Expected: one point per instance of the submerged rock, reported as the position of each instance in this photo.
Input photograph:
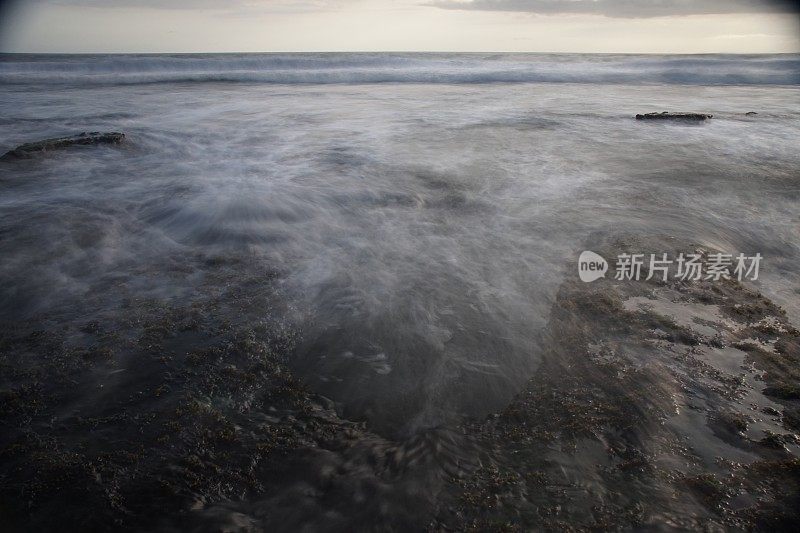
(666, 115)
(91, 138)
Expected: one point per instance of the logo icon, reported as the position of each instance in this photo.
(591, 266)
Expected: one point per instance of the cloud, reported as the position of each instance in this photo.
(625, 8)
(222, 5)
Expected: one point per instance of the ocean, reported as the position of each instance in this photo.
(406, 220)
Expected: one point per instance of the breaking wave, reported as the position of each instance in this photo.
(362, 68)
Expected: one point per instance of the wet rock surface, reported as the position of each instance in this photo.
(666, 115)
(657, 405)
(169, 416)
(83, 139)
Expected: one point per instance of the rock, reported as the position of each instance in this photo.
(751, 113)
(665, 115)
(92, 138)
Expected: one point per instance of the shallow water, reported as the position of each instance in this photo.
(420, 229)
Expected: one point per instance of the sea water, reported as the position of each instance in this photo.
(419, 210)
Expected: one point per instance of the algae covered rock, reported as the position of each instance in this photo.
(666, 115)
(83, 139)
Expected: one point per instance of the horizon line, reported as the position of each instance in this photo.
(516, 52)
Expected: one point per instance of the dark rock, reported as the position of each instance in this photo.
(665, 115)
(91, 138)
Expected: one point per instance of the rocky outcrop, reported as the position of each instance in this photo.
(90, 138)
(666, 115)
(688, 391)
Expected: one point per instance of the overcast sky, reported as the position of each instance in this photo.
(648, 26)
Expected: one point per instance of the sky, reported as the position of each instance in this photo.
(602, 26)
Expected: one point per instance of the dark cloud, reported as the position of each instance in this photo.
(626, 8)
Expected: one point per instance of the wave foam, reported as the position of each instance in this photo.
(400, 68)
